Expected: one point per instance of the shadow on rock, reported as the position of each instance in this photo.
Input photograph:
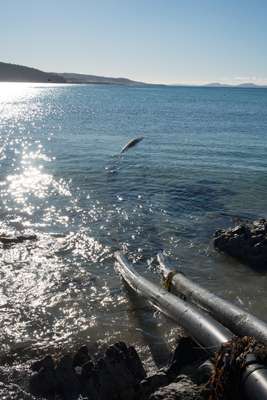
(246, 242)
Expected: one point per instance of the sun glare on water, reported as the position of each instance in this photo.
(10, 91)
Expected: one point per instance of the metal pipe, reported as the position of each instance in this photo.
(237, 320)
(207, 332)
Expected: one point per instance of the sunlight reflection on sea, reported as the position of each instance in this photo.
(201, 165)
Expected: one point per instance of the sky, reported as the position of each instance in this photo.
(160, 41)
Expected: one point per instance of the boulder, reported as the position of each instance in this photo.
(43, 381)
(187, 352)
(67, 381)
(81, 357)
(182, 389)
(152, 383)
(45, 363)
(115, 376)
(246, 242)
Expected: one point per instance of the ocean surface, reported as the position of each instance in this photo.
(201, 167)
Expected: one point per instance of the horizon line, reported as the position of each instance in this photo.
(252, 80)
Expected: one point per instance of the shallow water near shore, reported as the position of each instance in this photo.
(201, 167)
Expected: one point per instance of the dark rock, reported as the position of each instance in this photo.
(43, 381)
(186, 352)
(130, 357)
(203, 372)
(135, 364)
(81, 357)
(68, 384)
(247, 242)
(118, 375)
(152, 383)
(47, 363)
(199, 374)
(182, 389)
(114, 376)
(107, 384)
(22, 238)
(9, 240)
(122, 347)
(124, 379)
(88, 369)
(89, 381)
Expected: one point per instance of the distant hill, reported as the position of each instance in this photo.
(19, 73)
(81, 78)
(241, 85)
(216, 84)
(248, 85)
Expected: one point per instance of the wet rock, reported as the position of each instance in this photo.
(246, 242)
(67, 382)
(43, 381)
(107, 384)
(202, 374)
(199, 375)
(89, 381)
(115, 376)
(182, 389)
(9, 240)
(116, 362)
(186, 358)
(186, 352)
(46, 363)
(81, 357)
(152, 383)
(88, 370)
(14, 392)
(131, 360)
(135, 364)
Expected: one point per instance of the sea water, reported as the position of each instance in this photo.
(200, 167)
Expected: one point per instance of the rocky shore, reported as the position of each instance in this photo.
(117, 374)
(246, 242)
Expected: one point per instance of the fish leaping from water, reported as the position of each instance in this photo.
(114, 167)
(131, 143)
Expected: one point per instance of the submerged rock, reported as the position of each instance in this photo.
(9, 240)
(246, 242)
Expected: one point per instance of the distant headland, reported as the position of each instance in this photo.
(20, 73)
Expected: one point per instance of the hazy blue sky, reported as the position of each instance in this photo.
(152, 40)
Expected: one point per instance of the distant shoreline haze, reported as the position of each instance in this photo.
(19, 73)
